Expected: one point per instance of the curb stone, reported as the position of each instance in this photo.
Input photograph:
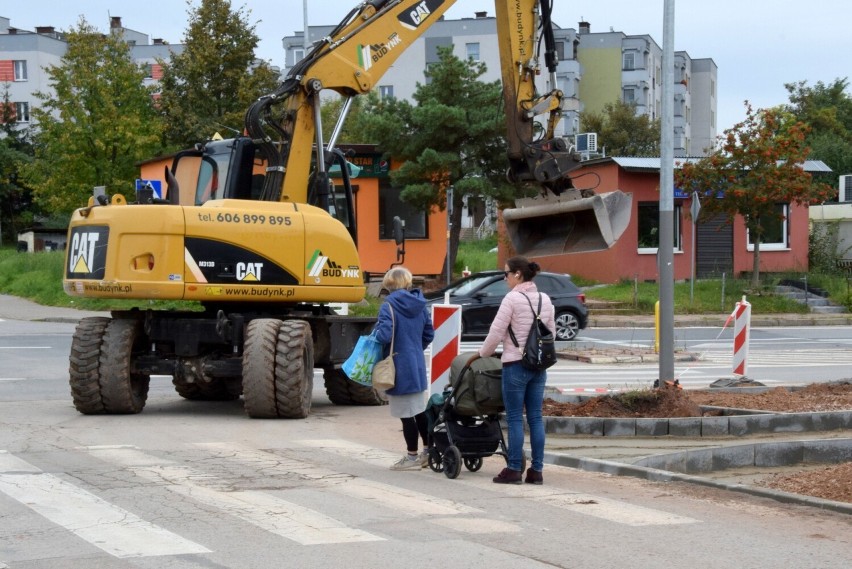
(655, 475)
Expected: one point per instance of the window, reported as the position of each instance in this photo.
(20, 70)
(775, 230)
(472, 50)
(649, 227)
(22, 112)
(298, 55)
(149, 70)
(390, 205)
(629, 62)
(386, 91)
(629, 96)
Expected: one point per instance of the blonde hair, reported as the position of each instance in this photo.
(397, 278)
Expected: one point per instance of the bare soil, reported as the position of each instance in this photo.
(833, 482)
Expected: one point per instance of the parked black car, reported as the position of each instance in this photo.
(480, 295)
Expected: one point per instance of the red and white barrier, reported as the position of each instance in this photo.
(446, 318)
(742, 325)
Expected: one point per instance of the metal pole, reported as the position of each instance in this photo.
(666, 254)
(449, 230)
(305, 40)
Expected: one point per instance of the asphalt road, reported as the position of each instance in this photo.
(196, 485)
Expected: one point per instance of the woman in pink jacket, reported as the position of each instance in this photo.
(522, 388)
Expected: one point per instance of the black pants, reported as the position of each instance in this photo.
(411, 428)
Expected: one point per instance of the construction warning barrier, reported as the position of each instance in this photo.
(742, 326)
(446, 318)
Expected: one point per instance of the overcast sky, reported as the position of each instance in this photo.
(758, 45)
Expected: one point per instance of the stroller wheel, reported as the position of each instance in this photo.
(473, 464)
(452, 462)
(435, 460)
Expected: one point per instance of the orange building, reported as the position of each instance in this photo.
(721, 247)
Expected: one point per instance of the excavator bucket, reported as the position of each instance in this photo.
(556, 225)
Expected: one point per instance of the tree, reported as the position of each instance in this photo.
(452, 138)
(622, 131)
(827, 110)
(94, 126)
(758, 165)
(16, 207)
(210, 85)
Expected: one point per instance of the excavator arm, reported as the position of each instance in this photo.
(286, 124)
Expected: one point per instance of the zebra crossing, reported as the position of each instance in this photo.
(285, 492)
(812, 357)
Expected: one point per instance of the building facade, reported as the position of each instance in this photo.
(24, 55)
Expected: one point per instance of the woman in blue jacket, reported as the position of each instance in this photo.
(411, 327)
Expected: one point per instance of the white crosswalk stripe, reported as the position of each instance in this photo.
(816, 357)
(106, 526)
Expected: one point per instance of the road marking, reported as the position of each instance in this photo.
(291, 521)
(25, 348)
(399, 500)
(585, 504)
(109, 528)
(12, 378)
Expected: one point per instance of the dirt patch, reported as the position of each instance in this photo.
(827, 482)
(832, 482)
(662, 403)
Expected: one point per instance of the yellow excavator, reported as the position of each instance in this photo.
(254, 229)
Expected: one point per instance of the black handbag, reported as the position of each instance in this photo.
(540, 351)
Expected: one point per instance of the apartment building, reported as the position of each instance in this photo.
(25, 54)
(594, 69)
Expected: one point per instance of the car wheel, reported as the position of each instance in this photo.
(567, 326)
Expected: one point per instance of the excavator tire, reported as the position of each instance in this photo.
(83, 365)
(259, 368)
(122, 391)
(342, 391)
(278, 369)
(294, 369)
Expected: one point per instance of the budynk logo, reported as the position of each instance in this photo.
(322, 266)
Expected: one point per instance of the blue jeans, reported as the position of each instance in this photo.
(524, 389)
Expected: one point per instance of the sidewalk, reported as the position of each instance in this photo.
(15, 308)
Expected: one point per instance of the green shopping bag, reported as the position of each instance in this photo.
(359, 365)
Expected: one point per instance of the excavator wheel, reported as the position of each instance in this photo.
(278, 360)
(342, 391)
(294, 369)
(83, 365)
(122, 391)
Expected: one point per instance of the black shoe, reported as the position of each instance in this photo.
(534, 477)
(508, 476)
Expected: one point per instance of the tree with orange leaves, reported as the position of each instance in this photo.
(757, 165)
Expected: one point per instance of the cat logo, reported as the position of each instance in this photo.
(249, 271)
(87, 252)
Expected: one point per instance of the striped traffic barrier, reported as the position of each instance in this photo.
(742, 325)
(446, 318)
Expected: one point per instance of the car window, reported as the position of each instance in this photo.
(497, 288)
(546, 284)
(467, 287)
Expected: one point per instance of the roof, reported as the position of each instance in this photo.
(652, 163)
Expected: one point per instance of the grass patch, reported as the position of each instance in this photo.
(477, 255)
(38, 277)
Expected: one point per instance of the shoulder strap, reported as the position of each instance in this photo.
(536, 317)
(393, 325)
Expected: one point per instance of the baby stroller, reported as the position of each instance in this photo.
(464, 420)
